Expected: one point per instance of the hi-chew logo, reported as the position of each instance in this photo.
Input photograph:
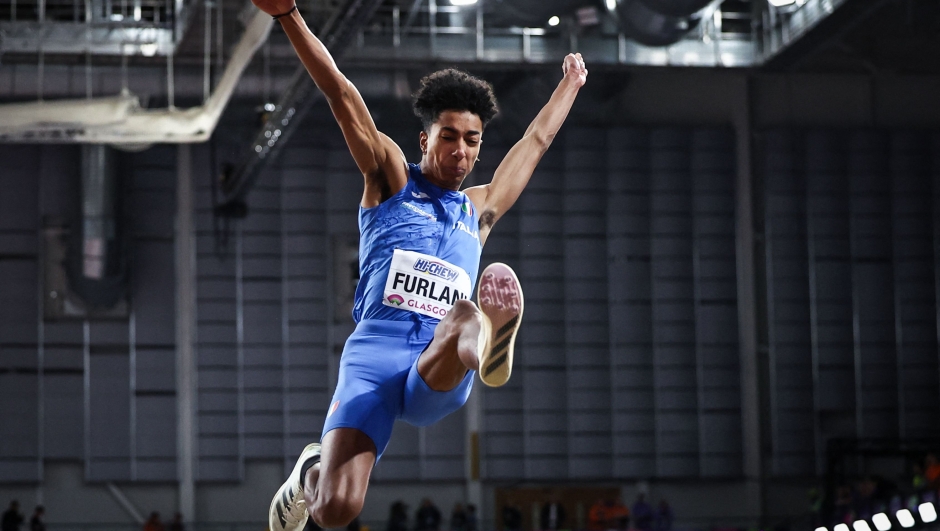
(435, 269)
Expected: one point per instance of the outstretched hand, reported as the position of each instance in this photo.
(274, 7)
(574, 68)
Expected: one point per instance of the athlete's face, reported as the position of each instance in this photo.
(451, 147)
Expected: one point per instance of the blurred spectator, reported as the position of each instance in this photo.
(458, 518)
(896, 504)
(929, 497)
(552, 516)
(608, 514)
(816, 505)
(642, 513)
(932, 471)
(597, 516)
(842, 512)
(428, 517)
(664, 516)
(12, 518)
(36, 523)
(177, 523)
(512, 518)
(865, 498)
(918, 481)
(398, 517)
(153, 523)
(471, 518)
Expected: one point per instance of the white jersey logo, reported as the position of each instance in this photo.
(424, 284)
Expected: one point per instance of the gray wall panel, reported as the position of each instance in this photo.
(866, 239)
(624, 243)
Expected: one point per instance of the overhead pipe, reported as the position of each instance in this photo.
(121, 120)
(677, 8)
(659, 22)
(96, 264)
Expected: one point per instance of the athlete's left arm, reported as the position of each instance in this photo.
(494, 199)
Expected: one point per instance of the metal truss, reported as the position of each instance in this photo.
(79, 38)
(96, 27)
(473, 39)
(790, 33)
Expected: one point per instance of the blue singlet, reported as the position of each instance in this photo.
(423, 218)
(378, 379)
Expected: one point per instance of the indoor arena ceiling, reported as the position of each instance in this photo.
(729, 33)
(863, 35)
(199, 37)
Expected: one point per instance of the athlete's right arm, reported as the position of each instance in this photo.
(379, 158)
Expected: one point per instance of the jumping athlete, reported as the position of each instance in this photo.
(418, 338)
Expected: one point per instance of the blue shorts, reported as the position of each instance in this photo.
(379, 382)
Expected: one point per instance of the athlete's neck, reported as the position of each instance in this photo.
(431, 176)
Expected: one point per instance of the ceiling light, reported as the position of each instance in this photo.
(781, 3)
(882, 522)
(861, 525)
(117, 17)
(905, 518)
(927, 512)
(463, 2)
(840, 527)
(822, 529)
(611, 5)
(149, 49)
(554, 21)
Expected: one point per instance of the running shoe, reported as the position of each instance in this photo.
(500, 298)
(288, 508)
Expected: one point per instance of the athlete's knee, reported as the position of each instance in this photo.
(463, 307)
(460, 315)
(336, 511)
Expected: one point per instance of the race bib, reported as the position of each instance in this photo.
(424, 284)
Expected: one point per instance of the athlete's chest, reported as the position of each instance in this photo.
(417, 217)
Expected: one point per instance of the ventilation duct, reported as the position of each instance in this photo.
(96, 264)
(120, 120)
(676, 8)
(659, 22)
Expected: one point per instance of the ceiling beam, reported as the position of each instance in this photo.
(810, 29)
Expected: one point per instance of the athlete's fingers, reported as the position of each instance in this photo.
(571, 61)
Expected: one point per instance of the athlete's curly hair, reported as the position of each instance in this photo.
(453, 90)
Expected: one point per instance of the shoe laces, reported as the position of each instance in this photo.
(295, 511)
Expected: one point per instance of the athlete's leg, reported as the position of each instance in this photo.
(454, 349)
(468, 337)
(335, 488)
(330, 478)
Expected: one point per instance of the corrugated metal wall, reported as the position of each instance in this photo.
(628, 362)
(852, 231)
(98, 390)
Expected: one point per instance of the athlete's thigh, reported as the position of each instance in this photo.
(372, 374)
(346, 463)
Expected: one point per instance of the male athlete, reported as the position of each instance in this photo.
(419, 338)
